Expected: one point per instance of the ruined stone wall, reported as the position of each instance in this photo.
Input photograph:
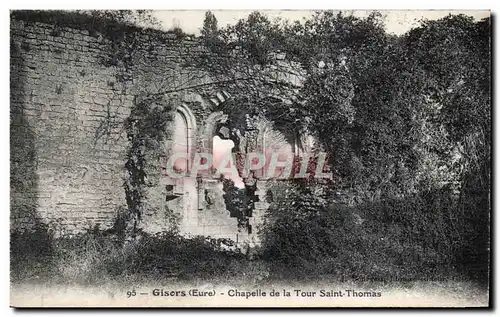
(71, 92)
(59, 97)
(68, 105)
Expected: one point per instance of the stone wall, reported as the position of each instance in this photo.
(70, 96)
(59, 97)
(68, 105)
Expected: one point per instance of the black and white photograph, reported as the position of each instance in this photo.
(250, 158)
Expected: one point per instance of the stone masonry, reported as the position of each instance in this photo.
(68, 146)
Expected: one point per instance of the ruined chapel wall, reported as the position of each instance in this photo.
(68, 146)
(67, 110)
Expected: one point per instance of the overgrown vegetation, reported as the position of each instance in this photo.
(146, 129)
(239, 202)
(406, 122)
(424, 236)
(96, 255)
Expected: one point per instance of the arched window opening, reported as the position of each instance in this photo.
(180, 140)
(222, 150)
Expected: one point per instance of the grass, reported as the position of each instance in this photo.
(396, 242)
(96, 256)
(97, 268)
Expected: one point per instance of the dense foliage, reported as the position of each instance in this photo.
(406, 121)
(392, 111)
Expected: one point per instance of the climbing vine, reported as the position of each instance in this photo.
(146, 128)
(239, 202)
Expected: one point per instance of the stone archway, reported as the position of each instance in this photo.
(185, 130)
(213, 124)
(181, 192)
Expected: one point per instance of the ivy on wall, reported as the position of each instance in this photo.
(239, 202)
(146, 129)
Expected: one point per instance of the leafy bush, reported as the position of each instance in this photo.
(422, 236)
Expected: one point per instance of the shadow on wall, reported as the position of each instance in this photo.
(30, 238)
(23, 163)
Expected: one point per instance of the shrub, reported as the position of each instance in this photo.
(422, 236)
